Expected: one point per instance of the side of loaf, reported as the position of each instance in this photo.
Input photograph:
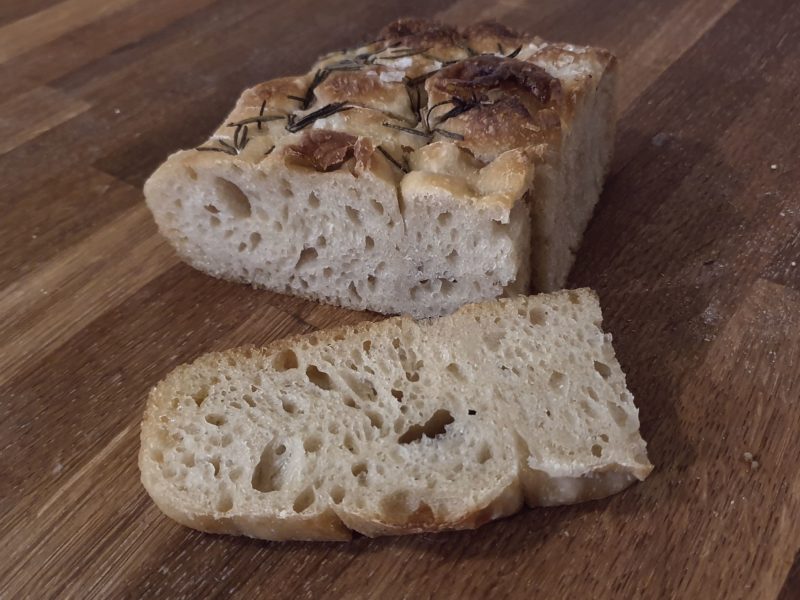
(397, 427)
(428, 169)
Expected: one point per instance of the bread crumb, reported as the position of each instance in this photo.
(748, 457)
(659, 139)
(773, 167)
(793, 263)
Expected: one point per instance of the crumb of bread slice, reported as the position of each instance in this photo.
(397, 427)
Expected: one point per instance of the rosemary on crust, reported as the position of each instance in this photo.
(293, 125)
(392, 159)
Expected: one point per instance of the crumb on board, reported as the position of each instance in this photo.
(748, 457)
(773, 167)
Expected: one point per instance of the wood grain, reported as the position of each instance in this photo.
(694, 250)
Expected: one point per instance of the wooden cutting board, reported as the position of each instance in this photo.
(694, 250)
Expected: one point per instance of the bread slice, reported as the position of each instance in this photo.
(425, 170)
(397, 427)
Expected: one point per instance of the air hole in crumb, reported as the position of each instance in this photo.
(371, 282)
(215, 463)
(215, 222)
(353, 214)
(349, 443)
(359, 469)
(375, 419)
(319, 378)
(255, 240)
(444, 218)
(603, 369)
(215, 420)
(248, 399)
(266, 475)
(289, 406)
(321, 242)
(557, 380)
(313, 200)
(604, 437)
(327, 272)
(592, 394)
(286, 191)
(597, 450)
(398, 394)
(369, 243)
(433, 427)
(377, 206)
(396, 504)
(484, 454)
(366, 345)
(304, 500)
(354, 292)
(285, 360)
(574, 297)
(451, 258)
(212, 209)
(455, 370)
(242, 247)
(537, 316)
(618, 414)
(234, 200)
(307, 255)
(312, 443)
(225, 503)
(337, 494)
(200, 395)
(348, 401)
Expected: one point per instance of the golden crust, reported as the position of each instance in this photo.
(485, 89)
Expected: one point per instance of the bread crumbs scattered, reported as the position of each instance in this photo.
(773, 167)
(748, 457)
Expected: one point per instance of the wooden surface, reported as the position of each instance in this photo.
(694, 250)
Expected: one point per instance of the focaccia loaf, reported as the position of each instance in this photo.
(430, 168)
(397, 427)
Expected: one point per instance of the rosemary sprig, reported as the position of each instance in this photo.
(260, 119)
(392, 159)
(514, 54)
(232, 149)
(226, 148)
(400, 53)
(461, 106)
(209, 149)
(261, 113)
(449, 134)
(243, 139)
(294, 126)
(269, 150)
(407, 130)
(431, 109)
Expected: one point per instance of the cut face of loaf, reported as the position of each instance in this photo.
(397, 427)
(423, 171)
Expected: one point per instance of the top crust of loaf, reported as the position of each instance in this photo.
(485, 90)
